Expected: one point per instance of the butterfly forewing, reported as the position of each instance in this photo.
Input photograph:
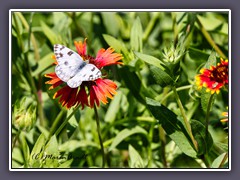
(68, 62)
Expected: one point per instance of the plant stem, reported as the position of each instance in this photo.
(224, 160)
(65, 121)
(207, 115)
(55, 123)
(171, 92)
(15, 139)
(150, 26)
(163, 144)
(210, 40)
(188, 126)
(150, 136)
(99, 135)
(27, 27)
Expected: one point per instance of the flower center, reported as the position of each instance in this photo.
(220, 73)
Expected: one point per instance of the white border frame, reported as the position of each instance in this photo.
(117, 10)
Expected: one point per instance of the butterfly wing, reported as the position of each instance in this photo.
(88, 73)
(69, 62)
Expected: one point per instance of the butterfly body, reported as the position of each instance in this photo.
(72, 69)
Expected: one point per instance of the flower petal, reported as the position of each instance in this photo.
(81, 47)
(107, 57)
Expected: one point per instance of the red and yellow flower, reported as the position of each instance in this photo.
(214, 78)
(89, 92)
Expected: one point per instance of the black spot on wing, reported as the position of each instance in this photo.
(62, 48)
(93, 69)
(70, 53)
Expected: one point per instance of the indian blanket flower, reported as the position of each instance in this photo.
(214, 78)
(92, 91)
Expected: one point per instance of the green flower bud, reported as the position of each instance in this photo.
(172, 55)
(24, 118)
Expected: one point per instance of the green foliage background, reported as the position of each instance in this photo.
(142, 126)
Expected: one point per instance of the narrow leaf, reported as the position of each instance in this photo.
(133, 82)
(172, 126)
(113, 108)
(136, 160)
(26, 151)
(43, 63)
(136, 35)
(205, 143)
(49, 33)
(212, 60)
(161, 77)
(66, 164)
(118, 46)
(149, 59)
(51, 153)
(36, 151)
(220, 161)
(124, 134)
(205, 97)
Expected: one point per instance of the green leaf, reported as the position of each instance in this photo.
(172, 126)
(111, 23)
(197, 55)
(149, 59)
(37, 151)
(220, 161)
(66, 164)
(126, 133)
(51, 153)
(118, 46)
(49, 33)
(204, 142)
(136, 160)
(205, 97)
(212, 60)
(25, 148)
(43, 63)
(161, 77)
(71, 145)
(132, 82)
(113, 108)
(211, 23)
(136, 35)
(184, 161)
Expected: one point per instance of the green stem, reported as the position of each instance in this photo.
(163, 144)
(171, 92)
(15, 139)
(150, 137)
(55, 123)
(99, 135)
(65, 121)
(224, 160)
(210, 40)
(207, 115)
(150, 26)
(34, 42)
(188, 126)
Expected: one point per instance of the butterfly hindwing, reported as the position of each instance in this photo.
(88, 73)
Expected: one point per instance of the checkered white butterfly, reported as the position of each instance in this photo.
(72, 68)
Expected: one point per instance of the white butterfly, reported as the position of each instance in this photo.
(72, 68)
